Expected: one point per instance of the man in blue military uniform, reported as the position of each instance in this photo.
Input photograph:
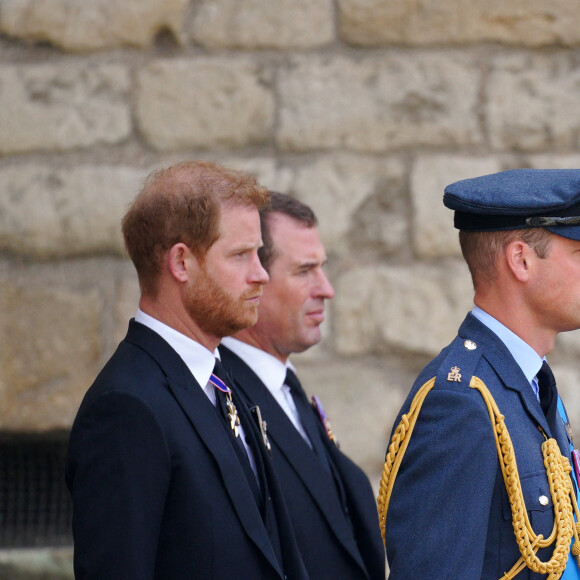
(484, 488)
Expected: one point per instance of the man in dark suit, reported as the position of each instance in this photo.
(484, 489)
(168, 471)
(330, 500)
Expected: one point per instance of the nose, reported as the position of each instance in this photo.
(258, 274)
(323, 288)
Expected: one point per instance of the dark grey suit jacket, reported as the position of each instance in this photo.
(336, 522)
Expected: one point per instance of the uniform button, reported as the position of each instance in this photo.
(470, 345)
(543, 500)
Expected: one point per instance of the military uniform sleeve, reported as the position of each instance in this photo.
(438, 514)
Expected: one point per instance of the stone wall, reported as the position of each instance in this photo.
(365, 109)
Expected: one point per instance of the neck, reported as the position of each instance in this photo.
(256, 339)
(178, 319)
(520, 322)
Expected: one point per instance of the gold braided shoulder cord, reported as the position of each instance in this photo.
(557, 469)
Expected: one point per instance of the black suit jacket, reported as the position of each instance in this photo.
(336, 526)
(157, 488)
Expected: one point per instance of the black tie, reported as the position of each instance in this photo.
(238, 444)
(547, 387)
(307, 417)
(549, 397)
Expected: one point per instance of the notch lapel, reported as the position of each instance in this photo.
(287, 441)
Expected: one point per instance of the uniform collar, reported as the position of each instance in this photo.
(525, 356)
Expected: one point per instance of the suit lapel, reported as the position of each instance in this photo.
(287, 441)
(201, 414)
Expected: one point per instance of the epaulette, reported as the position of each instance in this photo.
(460, 363)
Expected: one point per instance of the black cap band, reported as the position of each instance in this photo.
(481, 223)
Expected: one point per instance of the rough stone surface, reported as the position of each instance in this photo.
(46, 212)
(420, 22)
(258, 24)
(207, 102)
(356, 200)
(376, 104)
(92, 25)
(50, 353)
(532, 102)
(433, 233)
(61, 107)
(414, 308)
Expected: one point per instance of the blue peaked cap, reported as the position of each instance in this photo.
(518, 199)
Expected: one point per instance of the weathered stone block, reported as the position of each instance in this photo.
(47, 212)
(266, 170)
(553, 161)
(357, 201)
(258, 24)
(415, 308)
(92, 25)
(378, 103)
(206, 102)
(420, 22)
(433, 233)
(50, 352)
(61, 107)
(532, 101)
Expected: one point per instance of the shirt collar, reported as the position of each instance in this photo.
(525, 356)
(270, 370)
(199, 360)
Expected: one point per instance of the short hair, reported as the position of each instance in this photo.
(286, 205)
(182, 203)
(481, 249)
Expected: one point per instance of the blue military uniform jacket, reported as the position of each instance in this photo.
(449, 514)
(158, 490)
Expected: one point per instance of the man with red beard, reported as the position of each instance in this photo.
(168, 470)
(330, 499)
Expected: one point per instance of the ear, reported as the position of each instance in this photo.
(519, 259)
(180, 261)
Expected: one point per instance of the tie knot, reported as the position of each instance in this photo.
(292, 381)
(218, 369)
(546, 376)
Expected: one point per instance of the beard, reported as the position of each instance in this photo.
(216, 311)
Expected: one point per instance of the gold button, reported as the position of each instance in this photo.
(544, 500)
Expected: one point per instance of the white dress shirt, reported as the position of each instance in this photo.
(272, 372)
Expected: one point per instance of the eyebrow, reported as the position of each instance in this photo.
(311, 264)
